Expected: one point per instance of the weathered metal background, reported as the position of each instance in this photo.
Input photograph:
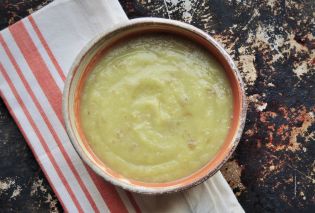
(273, 43)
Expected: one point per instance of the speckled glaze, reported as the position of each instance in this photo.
(90, 54)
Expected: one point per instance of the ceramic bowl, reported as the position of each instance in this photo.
(90, 55)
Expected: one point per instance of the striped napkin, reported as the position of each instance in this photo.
(35, 56)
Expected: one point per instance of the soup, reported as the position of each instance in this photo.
(156, 108)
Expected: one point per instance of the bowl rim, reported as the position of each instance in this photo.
(124, 183)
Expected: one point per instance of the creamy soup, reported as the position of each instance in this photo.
(156, 108)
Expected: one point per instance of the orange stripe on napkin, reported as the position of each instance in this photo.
(133, 202)
(109, 193)
(38, 66)
(56, 93)
(48, 50)
(41, 139)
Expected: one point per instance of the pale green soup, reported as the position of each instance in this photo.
(156, 108)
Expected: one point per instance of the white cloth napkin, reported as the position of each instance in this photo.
(36, 54)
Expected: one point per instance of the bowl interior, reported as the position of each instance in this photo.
(96, 49)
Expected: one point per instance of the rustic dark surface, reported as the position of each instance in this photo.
(273, 43)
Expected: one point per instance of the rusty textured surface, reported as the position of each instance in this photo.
(273, 43)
